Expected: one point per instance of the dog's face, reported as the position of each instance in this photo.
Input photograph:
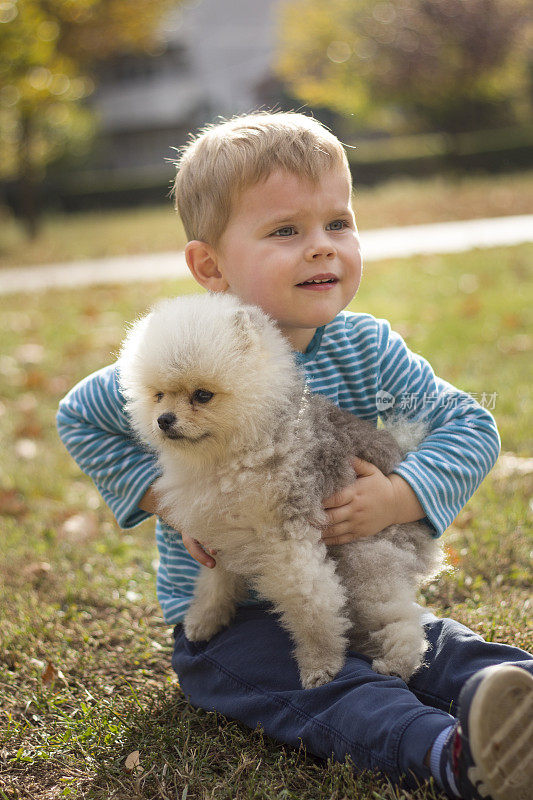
(200, 375)
(188, 404)
(191, 411)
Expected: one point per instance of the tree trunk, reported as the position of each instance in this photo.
(28, 183)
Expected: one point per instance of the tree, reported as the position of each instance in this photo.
(48, 50)
(450, 65)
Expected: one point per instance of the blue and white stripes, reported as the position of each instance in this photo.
(360, 364)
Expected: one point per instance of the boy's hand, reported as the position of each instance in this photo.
(196, 550)
(373, 502)
(149, 503)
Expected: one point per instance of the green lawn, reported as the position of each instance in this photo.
(157, 229)
(79, 594)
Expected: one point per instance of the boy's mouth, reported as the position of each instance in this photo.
(319, 281)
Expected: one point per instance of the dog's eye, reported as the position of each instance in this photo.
(202, 396)
(159, 396)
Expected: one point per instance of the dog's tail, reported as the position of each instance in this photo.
(408, 433)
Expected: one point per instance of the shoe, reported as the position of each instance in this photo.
(490, 748)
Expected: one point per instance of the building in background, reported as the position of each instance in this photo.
(215, 59)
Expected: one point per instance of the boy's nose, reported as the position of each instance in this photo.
(166, 421)
(319, 250)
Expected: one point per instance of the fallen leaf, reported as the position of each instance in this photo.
(91, 310)
(471, 306)
(30, 428)
(37, 570)
(34, 379)
(512, 320)
(50, 675)
(12, 503)
(452, 556)
(132, 763)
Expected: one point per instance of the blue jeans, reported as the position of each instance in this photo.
(247, 673)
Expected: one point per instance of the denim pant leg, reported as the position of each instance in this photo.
(455, 653)
(247, 673)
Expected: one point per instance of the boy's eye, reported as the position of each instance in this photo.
(337, 225)
(202, 396)
(288, 230)
(159, 396)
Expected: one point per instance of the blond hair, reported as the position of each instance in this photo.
(225, 158)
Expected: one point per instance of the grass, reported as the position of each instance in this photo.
(78, 594)
(156, 229)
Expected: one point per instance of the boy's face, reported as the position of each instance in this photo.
(283, 234)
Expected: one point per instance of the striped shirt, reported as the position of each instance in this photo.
(359, 363)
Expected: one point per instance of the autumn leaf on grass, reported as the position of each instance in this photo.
(36, 570)
(471, 307)
(132, 763)
(452, 556)
(51, 675)
(12, 503)
(34, 379)
(30, 428)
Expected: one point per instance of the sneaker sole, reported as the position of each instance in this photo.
(500, 724)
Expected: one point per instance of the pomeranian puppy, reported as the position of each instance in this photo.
(247, 455)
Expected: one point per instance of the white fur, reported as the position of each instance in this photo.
(245, 478)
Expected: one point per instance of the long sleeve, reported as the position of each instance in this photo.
(366, 368)
(95, 430)
(462, 444)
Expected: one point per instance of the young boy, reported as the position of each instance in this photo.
(266, 204)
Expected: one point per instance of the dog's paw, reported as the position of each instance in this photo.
(401, 656)
(202, 626)
(314, 678)
(404, 669)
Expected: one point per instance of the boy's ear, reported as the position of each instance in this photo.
(202, 261)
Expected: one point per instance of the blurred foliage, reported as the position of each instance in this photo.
(48, 49)
(449, 65)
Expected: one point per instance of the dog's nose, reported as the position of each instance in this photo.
(166, 421)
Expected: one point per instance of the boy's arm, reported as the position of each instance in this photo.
(433, 482)
(95, 430)
(462, 443)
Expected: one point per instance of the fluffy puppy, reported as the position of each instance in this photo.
(247, 454)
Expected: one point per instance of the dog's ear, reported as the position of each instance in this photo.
(248, 322)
